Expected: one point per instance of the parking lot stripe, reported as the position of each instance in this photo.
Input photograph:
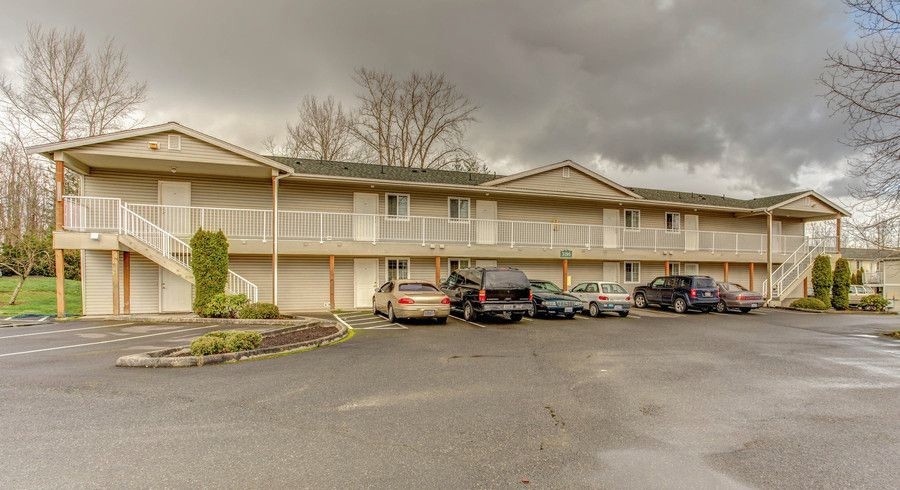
(66, 330)
(374, 320)
(342, 321)
(105, 341)
(466, 321)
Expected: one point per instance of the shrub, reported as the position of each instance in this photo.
(840, 290)
(857, 277)
(259, 311)
(209, 262)
(224, 305)
(809, 304)
(224, 341)
(875, 302)
(822, 279)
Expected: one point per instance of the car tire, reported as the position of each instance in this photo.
(441, 321)
(721, 307)
(623, 314)
(515, 317)
(640, 301)
(391, 316)
(469, 314)
(746, 310)
(594, 310)
(680, 305)
(531, 312)
(374, 308)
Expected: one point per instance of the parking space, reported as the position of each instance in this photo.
(366, 320)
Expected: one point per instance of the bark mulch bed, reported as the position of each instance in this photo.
(297, 336)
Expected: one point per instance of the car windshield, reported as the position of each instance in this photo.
(546, 286)
(505, 280)
(704, 282)
(421, 287)
(730, 286)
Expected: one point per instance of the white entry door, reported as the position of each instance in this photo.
(174, 294)
(610, 228)
(611, 271)
(365, 279)
(777, 239)
(365, 227)
(486, 231)
(691, 232)
(175, 220)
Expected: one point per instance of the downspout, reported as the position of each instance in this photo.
(768, 256)
(275, 180)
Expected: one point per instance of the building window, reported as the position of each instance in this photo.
(397, 269)
(673, 222)
(632, 272)
(398, 205)
(454, 265)
(459, 207)
(674, 268)
(632, 219)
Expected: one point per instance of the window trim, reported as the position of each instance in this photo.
(625, 219)
(387, 199)
(387, 268)
(680, 269)
(666, 222)
(625, 271)
(450, 269)
(468, 209)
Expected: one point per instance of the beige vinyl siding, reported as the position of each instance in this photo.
(714, 270)
(144, 285)
(96, 281)
(649, 271)
(258, 270)
(577, 181)
(303, 283)
(192, 149)
(344, 285)
(740, 273)
(584, 270)
(545, 270)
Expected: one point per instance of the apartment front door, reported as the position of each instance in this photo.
(691, 232)
(365, 279)
(175, 220)
(777, 239)
(365, 221)
(611, 271)
(610, 228)
(486, 225)
(174, 293)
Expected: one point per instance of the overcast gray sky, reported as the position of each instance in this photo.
(705, 95)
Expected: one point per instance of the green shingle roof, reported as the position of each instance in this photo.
(408, 174)
(868, 253)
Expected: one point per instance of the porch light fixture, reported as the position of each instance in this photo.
(153, 145)
(173, 169)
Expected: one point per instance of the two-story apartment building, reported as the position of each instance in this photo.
(313, 235)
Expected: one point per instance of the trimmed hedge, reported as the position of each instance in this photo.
(840, 289)
(809, 304)
(822, 279)
(224, 306)
(209, 262)
(874, 302)
(223, 341)
(259, 311)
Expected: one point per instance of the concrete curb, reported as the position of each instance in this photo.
(300, 320)
(157, 359)
(836, 312)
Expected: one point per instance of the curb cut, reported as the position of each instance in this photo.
(157, 359)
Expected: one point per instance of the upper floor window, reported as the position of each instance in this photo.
(459, 207)
(398, 205)
(632, 219)
(673, 221)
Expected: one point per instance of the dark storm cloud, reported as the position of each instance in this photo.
(636, 84)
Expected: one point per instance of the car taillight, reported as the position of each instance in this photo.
(603, 298)
(482, 296)
(405, 301)
(741, 297)
(445, 301)
(628, 298)
(530, 295)
(693, 293)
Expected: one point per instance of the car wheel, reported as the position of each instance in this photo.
(441, 321)
(469, 313)
(594, 310)
(531, 312)
(515, 317)
(640, 301)
(374, 308)
(745, 310)
(391, 317)
(680, 305)
(623, 314)
(721, 307)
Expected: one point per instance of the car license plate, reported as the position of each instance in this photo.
(753, 305)
(509, 307)
(617, 307)
(569, 310)
(428, 313)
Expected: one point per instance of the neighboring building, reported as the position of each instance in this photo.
(870, 260)
(890, 279)
(344, 228)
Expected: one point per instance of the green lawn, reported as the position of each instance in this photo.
(38, 296)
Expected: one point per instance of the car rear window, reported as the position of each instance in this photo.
(704, 282)
(506, 280)
(418, 287)
(613, 289)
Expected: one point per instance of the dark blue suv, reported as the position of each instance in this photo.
(679, 292)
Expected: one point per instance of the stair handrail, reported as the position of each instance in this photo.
(813, 246)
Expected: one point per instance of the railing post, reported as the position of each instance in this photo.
(512, 234)
(322, 228)
(590, 233)
(550, 225)
(472, 225)
(655, 240)
(423, 231)
(374, 229)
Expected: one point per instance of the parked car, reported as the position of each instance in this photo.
(481, 291)
(405, 299)
(857, 293)
(680, 292)
(548, 299)
(599, 296)
(735, 296)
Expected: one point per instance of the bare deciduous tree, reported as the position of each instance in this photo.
(863, 83)
(24, 255)
(323, 131)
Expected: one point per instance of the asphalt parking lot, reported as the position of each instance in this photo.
(770, 399)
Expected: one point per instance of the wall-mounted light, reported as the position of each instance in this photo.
(173, 170)
(153, 145)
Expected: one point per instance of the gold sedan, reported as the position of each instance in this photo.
(407, 298)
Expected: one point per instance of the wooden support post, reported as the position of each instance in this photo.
(60, 283)
(437, 270)
(666, 268)
(751, 276)
(805, 287)
(60, 186)
(115, 282)
(331, 280)
(725, 271)
(565, 281)
(837, 242)
(126, 283)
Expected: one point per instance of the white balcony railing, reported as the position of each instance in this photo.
(93, 214)
(873, 278)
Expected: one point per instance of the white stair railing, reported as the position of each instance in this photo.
(175, 249)
(797, 264)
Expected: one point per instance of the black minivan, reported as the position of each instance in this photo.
(489, 291)
(679, 292)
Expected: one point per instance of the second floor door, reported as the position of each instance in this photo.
(365, 221)
(175, 213)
